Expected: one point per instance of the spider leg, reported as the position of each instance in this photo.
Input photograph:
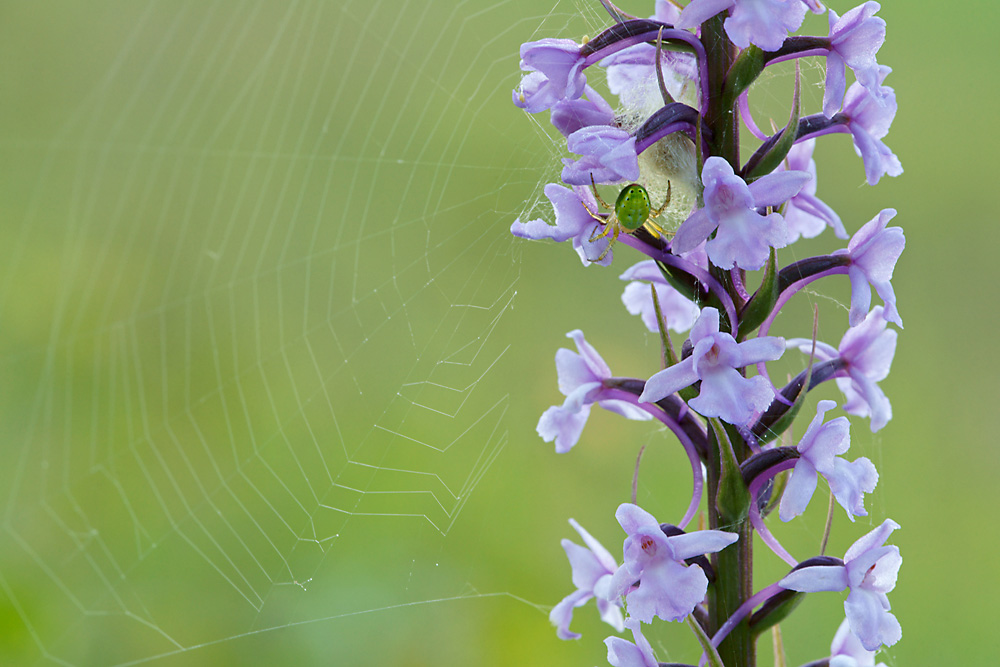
(595, 216)
(594, 236)
(593, 186)
(608, 249)
(649, 224)
(666, 202)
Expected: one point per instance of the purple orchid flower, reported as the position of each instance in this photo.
(608, 156)
(581, 376)
(568, 116)
(847, 651)
(744, 236)
(592, 570)
(632, 75)
(819, 452)
(573, 222)
(805, 215)
(725, 393)
(679, 312)
(765, 23)
(632, 71)
(623, 653)
(866, 352)
(854, 41)
(668, 587)
(555, 73)
(874, 250)
(869, 571)
(868, 120)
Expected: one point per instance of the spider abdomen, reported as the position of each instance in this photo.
(632, 207)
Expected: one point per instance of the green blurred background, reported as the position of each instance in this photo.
(271, 362)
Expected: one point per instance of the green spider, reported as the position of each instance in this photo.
(632, 210)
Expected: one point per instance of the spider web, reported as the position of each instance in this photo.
(263, 397)
(256, 289)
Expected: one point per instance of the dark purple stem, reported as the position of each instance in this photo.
(758, 521)
(689, 448)
(702, 275)
(630, 33)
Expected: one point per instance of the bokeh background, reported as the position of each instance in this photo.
(270, 361)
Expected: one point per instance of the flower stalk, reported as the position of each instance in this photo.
(684, 79)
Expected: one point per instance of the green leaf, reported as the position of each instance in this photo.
(682, 281)
(744, 72)
(714, 660)
(770, 155)
(669, 356)
(784, 421)
(778, 484)
(775, 611)
(762, 302)
(733, 500)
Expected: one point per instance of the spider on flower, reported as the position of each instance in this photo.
(631, 211)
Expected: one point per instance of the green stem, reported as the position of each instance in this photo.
(733, 565)
(723, 121)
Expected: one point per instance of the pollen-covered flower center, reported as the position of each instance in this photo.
(648, 545)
